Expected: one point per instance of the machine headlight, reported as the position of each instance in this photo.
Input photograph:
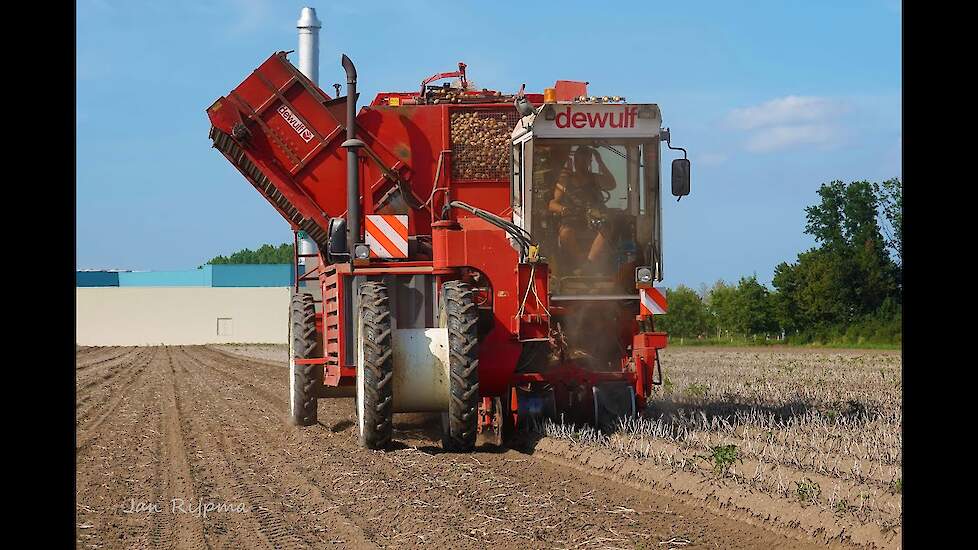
(643, 275)
(361, 251)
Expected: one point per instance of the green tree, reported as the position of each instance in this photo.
(687, 317)
(846, 225)
(815, 292)
(266, 254)
(849, 284)
(722, 307)
(784, 300)
(825, 220)
(753, 308)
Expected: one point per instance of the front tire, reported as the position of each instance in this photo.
(460, 314)
(375, 367)
(305, 381)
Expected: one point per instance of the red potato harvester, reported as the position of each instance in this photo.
(486, 256)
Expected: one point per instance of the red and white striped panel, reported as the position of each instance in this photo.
(387, 235)
(652, 302)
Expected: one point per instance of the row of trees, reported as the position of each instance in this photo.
(847, 289)
(266, 254)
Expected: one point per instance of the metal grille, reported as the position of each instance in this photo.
(480, 144)
(226, 145)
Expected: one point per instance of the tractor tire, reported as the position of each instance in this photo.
(460, 314)
(305, 381)
(375, 367)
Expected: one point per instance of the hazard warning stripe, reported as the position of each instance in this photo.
(395, 229)
(652, 302)
(387, 235)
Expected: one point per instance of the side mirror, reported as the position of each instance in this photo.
(336, 250)
(680, 177)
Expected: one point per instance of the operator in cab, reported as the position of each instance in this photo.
(579, 201)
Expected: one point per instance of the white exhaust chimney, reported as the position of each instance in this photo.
(309, 25)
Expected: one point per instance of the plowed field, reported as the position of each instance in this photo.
(189, 447)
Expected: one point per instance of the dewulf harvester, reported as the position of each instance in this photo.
(487, 256)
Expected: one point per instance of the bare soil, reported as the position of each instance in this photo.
(165, 435)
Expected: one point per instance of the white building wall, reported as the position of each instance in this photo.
(142, 316)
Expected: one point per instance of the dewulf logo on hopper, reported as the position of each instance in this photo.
(295, 123)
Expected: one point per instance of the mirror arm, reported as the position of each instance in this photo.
(664, 132)
(677, 149)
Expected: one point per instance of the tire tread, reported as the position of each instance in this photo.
(462, 315)
(307, 345)
(378, 347)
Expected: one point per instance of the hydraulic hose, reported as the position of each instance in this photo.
(519, 234)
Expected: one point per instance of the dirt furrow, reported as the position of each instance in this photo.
(215, 480)
(240, 478)
(377, 477)
(87, 422)
(91, 352)
(257, 380)
(89, 368)
(116, 475)
(86, 384)
(232, 356)
(188, 529)
(291, 500)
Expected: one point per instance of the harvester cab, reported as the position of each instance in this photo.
(585, 184)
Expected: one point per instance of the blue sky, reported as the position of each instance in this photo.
(769, 98)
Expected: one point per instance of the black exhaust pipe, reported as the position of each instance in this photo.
(352, 167)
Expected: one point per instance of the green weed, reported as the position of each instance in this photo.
(808, 491)
(723, 457)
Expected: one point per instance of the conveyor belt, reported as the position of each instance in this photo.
(264, 185)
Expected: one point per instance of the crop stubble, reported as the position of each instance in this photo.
(817, 438)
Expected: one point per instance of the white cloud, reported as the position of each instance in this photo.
(784, 110)
(787, 122)
(774, 138)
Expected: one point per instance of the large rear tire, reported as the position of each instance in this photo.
(305, 381)
(459, 313)
(375, 367)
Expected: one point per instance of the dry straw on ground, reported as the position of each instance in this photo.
(818, 429)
